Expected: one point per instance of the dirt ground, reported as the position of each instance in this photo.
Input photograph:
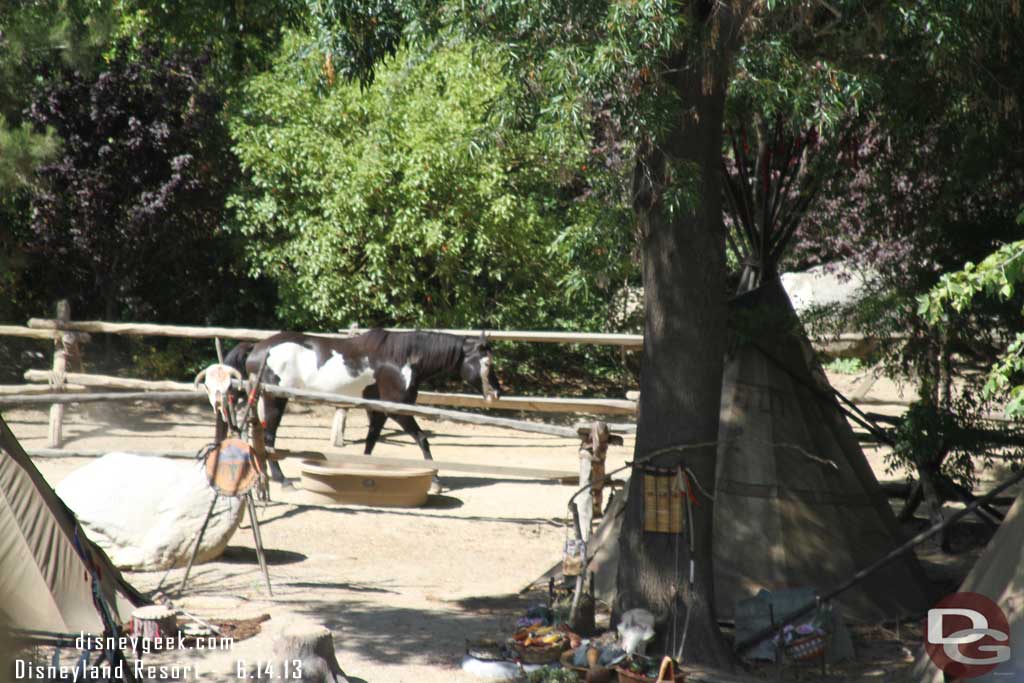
(401, 589)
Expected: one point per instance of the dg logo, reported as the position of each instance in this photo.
(967, 635)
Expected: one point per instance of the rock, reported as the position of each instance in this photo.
(827, 285)
(146, 512)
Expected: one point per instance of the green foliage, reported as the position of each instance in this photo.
(952, 439)
(927, 435)
(410, 203)
(35, 35)
(1004, 378)
(21, 151)
(775, 81)
(845, 366)
(240, 37)
(168, 358)
(996, 276)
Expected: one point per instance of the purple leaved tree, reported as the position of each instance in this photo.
(127, 213)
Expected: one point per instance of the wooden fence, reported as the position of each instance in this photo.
(69, 337)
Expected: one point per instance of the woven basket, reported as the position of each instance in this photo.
(667, 674)
(547, 654)
(806, 649)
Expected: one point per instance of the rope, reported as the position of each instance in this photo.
(704, 444)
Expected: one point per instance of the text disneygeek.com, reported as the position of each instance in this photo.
(25, 670)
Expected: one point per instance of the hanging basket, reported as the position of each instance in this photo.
(664, 502)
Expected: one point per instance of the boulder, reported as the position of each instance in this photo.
(146, 512)
(827, 285)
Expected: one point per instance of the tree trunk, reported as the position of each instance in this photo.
(684, 343)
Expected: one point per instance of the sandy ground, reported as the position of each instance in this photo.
(401, 589)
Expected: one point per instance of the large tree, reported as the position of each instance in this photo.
(683, 249)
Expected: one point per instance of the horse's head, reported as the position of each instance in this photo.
(478, 367)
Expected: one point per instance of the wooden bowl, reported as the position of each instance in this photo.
(366, 484)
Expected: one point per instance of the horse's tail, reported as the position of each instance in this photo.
(237, 356)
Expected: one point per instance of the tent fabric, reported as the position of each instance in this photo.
(999, 575)
(797, 504)
(47, 564)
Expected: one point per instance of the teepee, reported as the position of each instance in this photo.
(53, 579)
(796, 502)
(999, 576)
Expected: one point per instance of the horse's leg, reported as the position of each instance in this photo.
(409, 424)
(412, 428)
(377, 421)
(273, 411)
(392, 387)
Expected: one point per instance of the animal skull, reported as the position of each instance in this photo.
(216, 381)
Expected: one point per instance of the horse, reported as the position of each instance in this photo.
(377, 364)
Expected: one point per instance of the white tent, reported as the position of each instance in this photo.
(53, 579)
(999, 576)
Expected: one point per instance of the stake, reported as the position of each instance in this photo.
(579, 579)
(259, 541)
(199, 540)
(253, 394)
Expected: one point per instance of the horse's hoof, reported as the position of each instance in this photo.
(436, 488)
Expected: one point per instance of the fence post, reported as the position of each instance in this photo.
(338, 427)
(58, 377)
(67, 351)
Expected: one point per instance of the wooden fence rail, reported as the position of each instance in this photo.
(338, 400)
(24, 389)
(68, 335)
(28, 332)
(43, 328)
(149, 329)
(539, 404)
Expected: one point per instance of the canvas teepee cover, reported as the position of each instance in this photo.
(998, 575)
(47, 564)
(797, 504)
(784, 516)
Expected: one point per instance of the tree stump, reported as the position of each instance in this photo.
(304, 650)
(152, 622)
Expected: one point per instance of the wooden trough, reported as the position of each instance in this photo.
(366, 484)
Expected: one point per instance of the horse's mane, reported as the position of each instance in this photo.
(429, 351)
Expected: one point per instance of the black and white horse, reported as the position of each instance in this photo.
(376, 365)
